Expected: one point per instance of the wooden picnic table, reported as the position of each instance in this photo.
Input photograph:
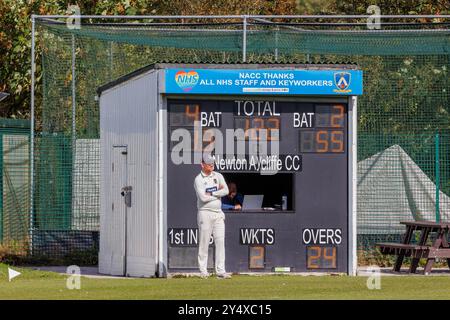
(438, 249)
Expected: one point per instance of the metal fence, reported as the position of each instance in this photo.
(15, 185)
(404, 114)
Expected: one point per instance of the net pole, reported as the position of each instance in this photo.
(438, 178)
(33, 70)
(73, 92)
(111, 60)
(74, 121)
(1, 187)
(277, 29)
(244, 39)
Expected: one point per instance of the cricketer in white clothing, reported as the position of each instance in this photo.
(210, 187)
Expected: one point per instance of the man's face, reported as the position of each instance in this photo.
(207, 168)
(232, 190)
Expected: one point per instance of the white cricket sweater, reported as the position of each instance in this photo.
(211, 183)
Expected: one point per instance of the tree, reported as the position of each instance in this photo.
(15, 28)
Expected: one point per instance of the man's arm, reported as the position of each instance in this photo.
(221, 192)
(201, 192)
(239, 198)
(226, 206)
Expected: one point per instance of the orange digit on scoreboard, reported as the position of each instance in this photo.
(323, 141)
(330, 258)
(339, 141)
(256, 257)
(192, 114)
(276, 126)
(339, 116)
(313, 260)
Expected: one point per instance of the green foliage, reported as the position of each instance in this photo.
(83, 257)
(393, 7)
(14, 257)
(11, 251)
(15, 28)
(375, 258)
(308, 7)
(15, 35)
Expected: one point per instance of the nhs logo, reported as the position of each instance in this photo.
(186, 80)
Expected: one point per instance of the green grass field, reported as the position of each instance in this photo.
(47, 285)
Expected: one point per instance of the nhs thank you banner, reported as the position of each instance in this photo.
(273, 82)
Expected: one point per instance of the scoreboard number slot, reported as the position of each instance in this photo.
(253, 127)
(329, 116)
(322, 141)
(256, 257)
(184, 115)
(321, 257)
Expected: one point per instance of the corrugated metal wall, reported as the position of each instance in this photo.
(128, 117)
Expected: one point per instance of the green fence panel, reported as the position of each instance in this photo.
(53, 184)
(14, 184)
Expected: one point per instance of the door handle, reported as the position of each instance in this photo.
(126, 193)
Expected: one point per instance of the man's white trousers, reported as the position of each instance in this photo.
(210, 222)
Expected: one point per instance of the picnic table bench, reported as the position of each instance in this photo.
(438, 249)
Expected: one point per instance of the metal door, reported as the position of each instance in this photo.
(118, 210)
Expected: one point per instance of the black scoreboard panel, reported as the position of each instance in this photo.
(311, 234)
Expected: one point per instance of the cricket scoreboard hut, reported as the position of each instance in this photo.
(306, 221)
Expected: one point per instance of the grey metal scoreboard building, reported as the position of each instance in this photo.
(299, 203)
